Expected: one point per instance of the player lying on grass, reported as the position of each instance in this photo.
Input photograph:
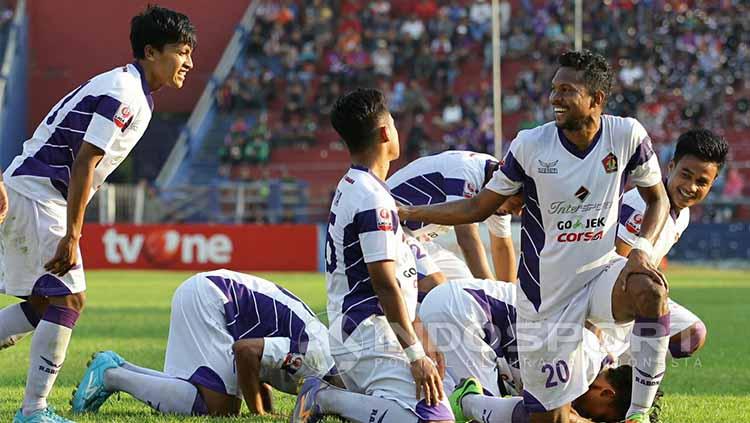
(231, 335)
(73, 150)
(371, 278)
(472, 322)
(450, 176)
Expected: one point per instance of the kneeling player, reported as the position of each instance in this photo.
(697, 161)
(230, 335)
(472, 322)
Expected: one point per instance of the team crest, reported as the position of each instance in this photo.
(384, 220)
(633, 225)
(610, 163)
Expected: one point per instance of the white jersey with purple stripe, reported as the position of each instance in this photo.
(631, 216)
(572, 200)
(110, 111)
(444, 177)
(257, 308)
(363, 228)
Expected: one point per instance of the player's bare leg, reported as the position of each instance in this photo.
(558, 415)
(219, 404)
(687, 342)
(19, 320)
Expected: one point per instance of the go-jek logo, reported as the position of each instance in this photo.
(166, 246)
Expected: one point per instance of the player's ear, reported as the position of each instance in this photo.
(149, 52)
(608, 393)
(670, 166)
(597, 99)
(383, 131)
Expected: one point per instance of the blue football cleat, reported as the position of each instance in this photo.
(113, 355)
(91, 394)
(306, 410)
(45, 415)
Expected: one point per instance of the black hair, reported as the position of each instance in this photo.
(158, 26)
(621, 378)
(704, 145)
(356, 115)
(597, 74)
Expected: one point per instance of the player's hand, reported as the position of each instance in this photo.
(513, 205)
(428, 381)
(3, 202)
(65, 257)
(639, 262)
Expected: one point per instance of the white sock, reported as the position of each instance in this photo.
(163, 394)
(361, 408)
(15, 324)
(144, 371)
(48, 347)
(486, 409)
(649, 345)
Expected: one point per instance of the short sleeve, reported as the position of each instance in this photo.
(643, 166)
(425, 265)
(629, 224)
(499, 226)
(508, 179)
(111, 116)
(376, 230)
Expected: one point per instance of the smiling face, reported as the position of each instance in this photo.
(170, 65)
(572, 103)
(690, 180)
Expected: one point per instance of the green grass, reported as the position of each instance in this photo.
(128, 311)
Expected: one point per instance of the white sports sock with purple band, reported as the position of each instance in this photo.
(164, 394)
(16, 322)
(649, 345)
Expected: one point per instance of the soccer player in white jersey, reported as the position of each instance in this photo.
(698, 158)
(570, 170)
(450, 176)
(376, 341)
(231, 335)
(47, 187)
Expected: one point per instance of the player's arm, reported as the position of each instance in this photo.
(472, 248)
(622, 248)
(385, 285)
(656, 213)
(247, 355)
(81, 178)
(469, 210)
(503, 258)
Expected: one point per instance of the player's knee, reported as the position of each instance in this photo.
(689, 341)
(649, 296)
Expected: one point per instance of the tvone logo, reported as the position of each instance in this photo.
(166, 246)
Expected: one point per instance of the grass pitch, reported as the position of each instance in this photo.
(128, 311)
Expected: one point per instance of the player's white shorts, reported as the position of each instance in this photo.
(199, 348)
(450, 264)
(452, 319)
(28, 239)
(384, 371)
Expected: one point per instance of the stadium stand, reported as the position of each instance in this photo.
(685, 67)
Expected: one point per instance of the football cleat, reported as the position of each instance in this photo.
(45, 415)
(113, 355)
(468, 386)
(306, 410)
(91, 394)
(639, 417)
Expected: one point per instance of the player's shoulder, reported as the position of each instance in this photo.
(365, 190)
(123, 82)
(622, 125)
(537, 137)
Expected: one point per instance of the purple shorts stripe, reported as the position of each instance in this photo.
(199, 405)
(62, 316)
(49, 285)
(651, 327)
(520, 414)
(208, 378)
(437, 413)
(30, 314)
(532, 404)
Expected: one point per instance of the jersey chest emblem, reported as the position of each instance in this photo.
(610, 163)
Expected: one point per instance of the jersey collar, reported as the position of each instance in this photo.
(367, 170)
(572, 149)
(144, 84)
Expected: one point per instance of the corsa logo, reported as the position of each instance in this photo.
(580, 236)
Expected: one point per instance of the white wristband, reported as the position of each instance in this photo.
(415, 352)
(644, 245)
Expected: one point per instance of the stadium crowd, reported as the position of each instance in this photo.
(679, 67)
